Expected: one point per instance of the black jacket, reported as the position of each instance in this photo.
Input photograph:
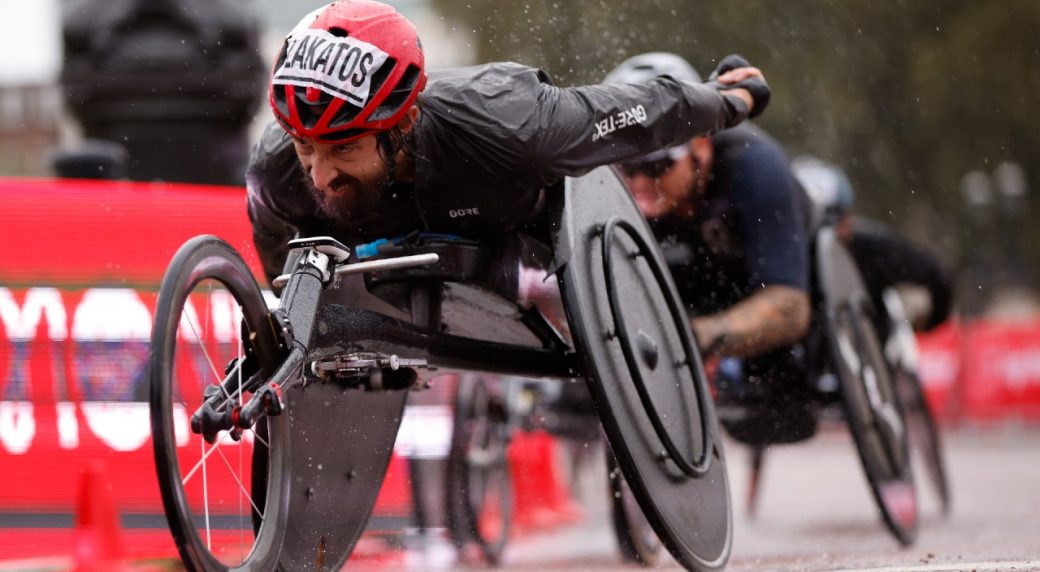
(489, 140)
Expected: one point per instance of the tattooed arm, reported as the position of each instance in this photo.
(772, 317)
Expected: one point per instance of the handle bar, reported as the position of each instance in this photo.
(373, 266)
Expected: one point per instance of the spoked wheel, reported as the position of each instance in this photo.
(635, 536)
(204, 347)
(479, 488)
(875, 417)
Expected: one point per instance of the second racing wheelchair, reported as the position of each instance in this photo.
(861, 367)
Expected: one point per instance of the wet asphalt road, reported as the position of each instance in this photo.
(816, 513)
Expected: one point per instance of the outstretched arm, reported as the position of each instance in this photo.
(576, 129)
(770, 318)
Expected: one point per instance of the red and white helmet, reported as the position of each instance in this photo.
(348, 69)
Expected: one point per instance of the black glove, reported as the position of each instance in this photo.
(756, 87)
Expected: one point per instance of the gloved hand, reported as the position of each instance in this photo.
(756, 86)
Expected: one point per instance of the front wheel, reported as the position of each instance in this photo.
(875, 417)
(924, 434)
(208, 320)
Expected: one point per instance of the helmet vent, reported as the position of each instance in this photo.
(398, 96)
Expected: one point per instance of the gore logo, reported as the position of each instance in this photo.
(341, 67)
(456, 213)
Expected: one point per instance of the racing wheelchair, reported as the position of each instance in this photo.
(861, 367)
(273, 428)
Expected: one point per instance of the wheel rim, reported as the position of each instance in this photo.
(208, 304)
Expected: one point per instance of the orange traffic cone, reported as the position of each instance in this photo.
(540, 499)
(97, 542)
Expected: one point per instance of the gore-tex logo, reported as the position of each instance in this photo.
(619, 120)
(341, 67)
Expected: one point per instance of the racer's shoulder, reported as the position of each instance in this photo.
(748, 151)
(744, 137)
(497, 84)
(274, 141)
(496, 102)
(482, 77)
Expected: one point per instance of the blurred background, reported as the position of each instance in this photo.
(931, 107)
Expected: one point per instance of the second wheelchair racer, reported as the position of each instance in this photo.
(732, 223)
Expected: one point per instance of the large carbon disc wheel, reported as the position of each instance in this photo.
(636, 538)
(478, 485)
(875, 417)
(208, 320)
(645, 376)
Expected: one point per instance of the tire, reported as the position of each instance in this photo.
(479, 487)
(924, 434)
(636, 538)
(902, 354)
(208, 302)
(876, 419)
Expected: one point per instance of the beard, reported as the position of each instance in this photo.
(355, 201)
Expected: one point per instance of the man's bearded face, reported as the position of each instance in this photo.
(348, 199)
(346, 180)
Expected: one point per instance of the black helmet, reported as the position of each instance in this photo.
(646, 66)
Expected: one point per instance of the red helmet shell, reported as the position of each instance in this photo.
(348, 69)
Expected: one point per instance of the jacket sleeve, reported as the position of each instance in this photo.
(585, 127)
(887, 260)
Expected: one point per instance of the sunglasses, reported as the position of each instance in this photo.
(654, 169)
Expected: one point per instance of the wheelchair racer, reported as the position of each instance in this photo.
(731, 220)
(364, 145)
(884, 258)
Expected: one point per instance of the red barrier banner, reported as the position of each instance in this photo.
(939, 366)
(79, 274)
(1001, 371)
(71, 232)
(983, 370)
